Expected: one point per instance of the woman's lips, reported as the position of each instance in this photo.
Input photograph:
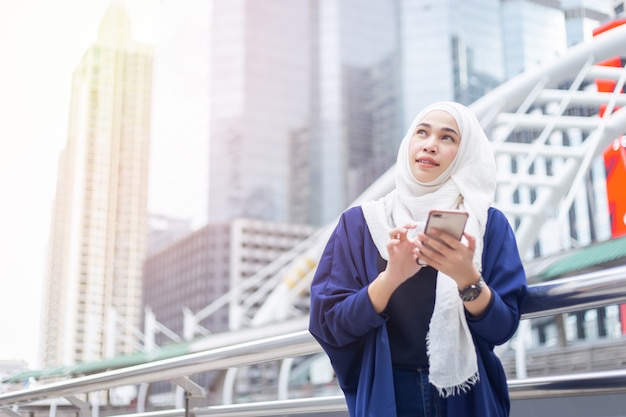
(426, 161)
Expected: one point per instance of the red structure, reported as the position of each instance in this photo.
(615, 154)
(615, 159)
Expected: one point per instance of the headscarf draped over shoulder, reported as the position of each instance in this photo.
(469, 183)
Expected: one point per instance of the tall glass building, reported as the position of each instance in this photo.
(297, 106)
(533, 33)
(288, 108)
(260, 80)
(451, 50)
(98, 233)
(583, 16)
(356, 100)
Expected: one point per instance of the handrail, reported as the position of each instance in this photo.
(602, 382)
(542, 387)
(254, 351)
(587, 290)
(584, 291)
(572, 384)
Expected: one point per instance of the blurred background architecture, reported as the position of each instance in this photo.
(192, 178)
(98, 231)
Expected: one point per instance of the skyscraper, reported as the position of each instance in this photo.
(259, 87)
(301, 103)
(583, 16)
(297, 102)
(92, 301)
(451, 50)
(533, 33)
(356, 100)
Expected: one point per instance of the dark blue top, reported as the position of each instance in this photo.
(355, 337)
(408, 315)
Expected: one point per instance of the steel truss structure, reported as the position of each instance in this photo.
(546, 130)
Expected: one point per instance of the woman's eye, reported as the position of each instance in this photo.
(420, 132)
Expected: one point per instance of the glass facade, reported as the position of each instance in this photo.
(533, 32)
(582, 16)
(356, 100)
(97, 238)
(304, 106)
(451, 50)
(259, 93)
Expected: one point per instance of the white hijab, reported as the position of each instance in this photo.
(469, 183)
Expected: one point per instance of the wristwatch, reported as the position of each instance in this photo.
(471, 292)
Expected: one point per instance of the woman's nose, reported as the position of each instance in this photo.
(429, 146)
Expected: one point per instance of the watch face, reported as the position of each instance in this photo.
(472, 292)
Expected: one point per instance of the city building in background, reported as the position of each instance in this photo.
(219, 258)
(356, 124)
(259, 89)
(534, 33)
(287, 111)
(583, 16)
(164, 230)
(205, 283)
(295, 107)
(92, 295)
(305, 104)
(451, 50)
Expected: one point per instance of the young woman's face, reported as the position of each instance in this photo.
(434, 145)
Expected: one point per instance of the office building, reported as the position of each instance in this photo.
(289, 108)
(207, 283)
(356, 100)
(533, 33)
(259, 89)
(92, 295)
(451, 50)
(217, 259)
(583, 16)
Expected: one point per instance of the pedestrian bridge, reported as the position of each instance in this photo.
(546, 131)
(290, 344)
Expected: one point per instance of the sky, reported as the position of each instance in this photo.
(41, 42)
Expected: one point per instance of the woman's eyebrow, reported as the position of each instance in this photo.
(447, 129)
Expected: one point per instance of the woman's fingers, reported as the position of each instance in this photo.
(445, 253)
(400, 233)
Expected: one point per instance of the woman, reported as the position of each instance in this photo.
(401, 339)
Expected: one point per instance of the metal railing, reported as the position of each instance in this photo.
(589, 290)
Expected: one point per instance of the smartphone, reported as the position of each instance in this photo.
(451, 222)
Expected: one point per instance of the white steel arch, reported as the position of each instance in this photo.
(526, 119)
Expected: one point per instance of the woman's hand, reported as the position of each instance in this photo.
(402, 262)
(402, 265)
(449, 255)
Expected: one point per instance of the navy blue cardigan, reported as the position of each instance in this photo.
(354, 336)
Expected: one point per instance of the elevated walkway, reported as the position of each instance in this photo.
(546, 131)
(572, 263)
(92, 393)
